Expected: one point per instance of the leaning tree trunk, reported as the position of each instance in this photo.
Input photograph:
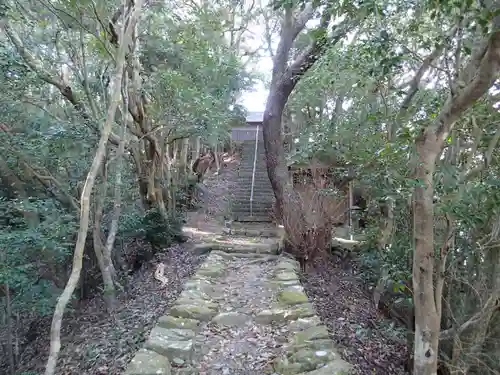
(198, 150)
(284, 79)
(117, 199)
(55, 331)
(275, 154)
(216, 157)
(184, 156)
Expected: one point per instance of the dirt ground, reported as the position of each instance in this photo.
(365, 338)
(95, 342)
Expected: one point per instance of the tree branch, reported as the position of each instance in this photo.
(55, 331)
(483, 78)
(65, 90)
(300, 22)
(312, 54)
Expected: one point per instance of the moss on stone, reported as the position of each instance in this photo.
(168, 321)
(202, 313)
(292, 296)
(312, 333)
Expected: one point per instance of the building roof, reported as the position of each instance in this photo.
(255, 117)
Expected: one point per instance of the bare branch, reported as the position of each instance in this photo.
(32, 63)
(426, 64)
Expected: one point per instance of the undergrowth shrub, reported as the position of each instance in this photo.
(34, 263)
(161, 231)
(152, 226)
(145, 235)
(34, 259)
(186, 195)
(309, 236)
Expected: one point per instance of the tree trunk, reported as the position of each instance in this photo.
(275, 153)
(184, 156)
(216, 157)
(113, 227)
(55, 330)
(105, 262)
(427, 317)
(198, 150)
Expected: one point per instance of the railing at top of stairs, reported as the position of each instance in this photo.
(254, 167)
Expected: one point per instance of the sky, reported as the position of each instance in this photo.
(255, 100)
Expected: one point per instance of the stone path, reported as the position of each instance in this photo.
(243, 313)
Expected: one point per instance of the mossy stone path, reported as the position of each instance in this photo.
(243, 312)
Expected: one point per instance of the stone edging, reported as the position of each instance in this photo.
(309, 350)
(173, 339)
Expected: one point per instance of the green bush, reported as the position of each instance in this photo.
(160, 232)
(184, 195)
(33, 259)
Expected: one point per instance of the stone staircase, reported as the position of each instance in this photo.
(260, 209)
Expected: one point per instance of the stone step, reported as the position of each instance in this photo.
(256, 231)
(250, 156)
(247, 212)
(255, 216)
(251, 148)
(257, 189)
(255, 211)
(261, 191)
(242, 207)
(248, 161)
(257, 198)
(260, 166)
(247, 176)
(247, 185)
(257, 174)
(254, 219)
(245, 205)
(247, 188)
(244, 198)
(257, 186)
(244, 179)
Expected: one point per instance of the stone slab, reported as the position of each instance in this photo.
(147, 362)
